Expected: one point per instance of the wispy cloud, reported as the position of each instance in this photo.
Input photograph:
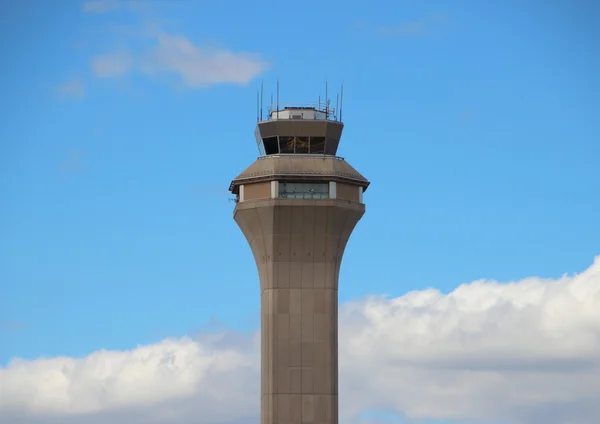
(74, 89)
(176, 55)
(521, 352)
(110, 65)
(200, 67)
(155, 53)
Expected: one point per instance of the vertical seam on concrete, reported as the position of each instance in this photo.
(301, 338)
(264, 390)
(313, 280)
(335, 292)
(289, 286)
(328, 211)
(315, 210)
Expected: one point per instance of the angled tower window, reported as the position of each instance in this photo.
(317, 145)
(298, 190)
(270, 145)
(292, 144)
(301, 144)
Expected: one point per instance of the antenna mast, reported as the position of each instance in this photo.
(261, 100)
(326, 102)
(341, 101)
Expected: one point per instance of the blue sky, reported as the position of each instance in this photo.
(124, 122)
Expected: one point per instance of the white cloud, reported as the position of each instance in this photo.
(176, 55)
(156, 52)
(74, 89)
(487, 350)
(197, 67)
(113, 64)
(522, 352)
(160, 381)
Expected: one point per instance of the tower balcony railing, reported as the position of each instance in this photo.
(304, 195)
(295, 155)
(322, 110)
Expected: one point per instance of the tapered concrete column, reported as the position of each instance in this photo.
(298, 247)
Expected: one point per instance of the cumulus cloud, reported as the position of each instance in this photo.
(521, 352)
(170, 380)
(510, 351)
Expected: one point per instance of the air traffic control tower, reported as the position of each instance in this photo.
(297, 205)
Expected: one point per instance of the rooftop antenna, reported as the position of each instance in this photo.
(261, 100)
(341, 101)
(257, 120)
(277, 98)
(337, 105)
(326, 101)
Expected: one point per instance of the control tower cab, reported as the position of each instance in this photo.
(309, 129)
(290, 141)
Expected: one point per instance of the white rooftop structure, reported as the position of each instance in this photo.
(316, 112)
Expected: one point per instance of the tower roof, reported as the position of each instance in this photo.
(295, 167)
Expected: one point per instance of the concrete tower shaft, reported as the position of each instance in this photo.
(298, 246)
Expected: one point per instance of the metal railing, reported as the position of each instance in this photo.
(322, 107)
(304, 195)
(308, 155)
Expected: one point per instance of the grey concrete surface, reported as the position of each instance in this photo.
(298, 246)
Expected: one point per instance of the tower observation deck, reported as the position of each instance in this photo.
(297, 206)
(303, 128)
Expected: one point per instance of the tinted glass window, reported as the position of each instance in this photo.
(292, 190)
